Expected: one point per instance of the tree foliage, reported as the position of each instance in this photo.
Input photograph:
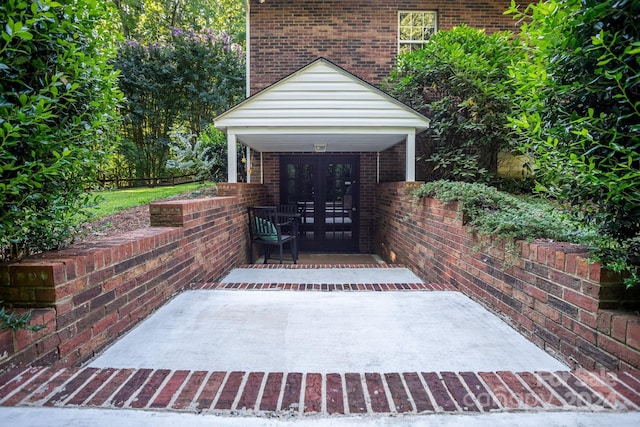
(58, 97)
(153, 20)
(460, 81)
(185, 81)
(580, 118)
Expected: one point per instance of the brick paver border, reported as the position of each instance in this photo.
(298, 393)
(328, 287)
(317, 266)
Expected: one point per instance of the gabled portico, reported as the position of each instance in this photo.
(319, 108)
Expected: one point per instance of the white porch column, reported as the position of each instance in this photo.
(411, 157)
(248, 167)
(261, 169)
(232, 161)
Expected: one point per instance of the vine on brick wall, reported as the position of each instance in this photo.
(13, 321)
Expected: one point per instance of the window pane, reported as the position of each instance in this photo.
(416, 34)
(429, 19)
(417, 27)
(405, 33)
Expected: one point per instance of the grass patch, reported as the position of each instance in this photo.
(113, 201)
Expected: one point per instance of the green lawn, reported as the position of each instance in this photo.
(112, 201)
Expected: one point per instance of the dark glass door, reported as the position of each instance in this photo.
(324, 187)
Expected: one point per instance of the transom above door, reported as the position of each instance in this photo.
(325, 189)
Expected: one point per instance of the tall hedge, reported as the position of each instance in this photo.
(58, 97)
(580, 114)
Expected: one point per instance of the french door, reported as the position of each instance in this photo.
(325, 189)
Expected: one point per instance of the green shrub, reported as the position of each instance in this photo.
(580, 115)
(494, 213)
(58, 95)
(183, 82)
(204, 156)
(460, 81)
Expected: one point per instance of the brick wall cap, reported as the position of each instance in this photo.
(565, 247)
(204, 202)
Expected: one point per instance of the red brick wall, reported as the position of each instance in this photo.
(550, 293)
(368, 175)
(272, 177)
(248, 194)
(393, 165)
(358, 36)
(89, 294)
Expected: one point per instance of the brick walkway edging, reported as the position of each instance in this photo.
(295, 393)
(320, 266)
(327, 287)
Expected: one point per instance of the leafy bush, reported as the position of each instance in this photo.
(460, 81)
(494, 213)
(580, 117)
(183, 82)
(57, 115)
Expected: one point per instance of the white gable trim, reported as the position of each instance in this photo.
(321, 94)
(321, 103)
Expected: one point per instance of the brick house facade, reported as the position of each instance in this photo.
(361, 39)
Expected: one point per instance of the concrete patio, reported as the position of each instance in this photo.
(321, 346)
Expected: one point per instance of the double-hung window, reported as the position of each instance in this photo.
(415, 29)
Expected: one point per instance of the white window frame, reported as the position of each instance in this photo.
(419, 42)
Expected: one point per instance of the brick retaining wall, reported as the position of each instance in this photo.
(89, 294)
(550, 293)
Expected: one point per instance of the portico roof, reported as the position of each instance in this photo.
(321, 104)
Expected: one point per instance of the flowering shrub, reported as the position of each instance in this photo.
(184, 82)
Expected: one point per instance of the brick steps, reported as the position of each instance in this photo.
(319, 266)
(324, 394)
(328, 287)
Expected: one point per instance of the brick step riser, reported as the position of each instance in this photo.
(327, 287)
